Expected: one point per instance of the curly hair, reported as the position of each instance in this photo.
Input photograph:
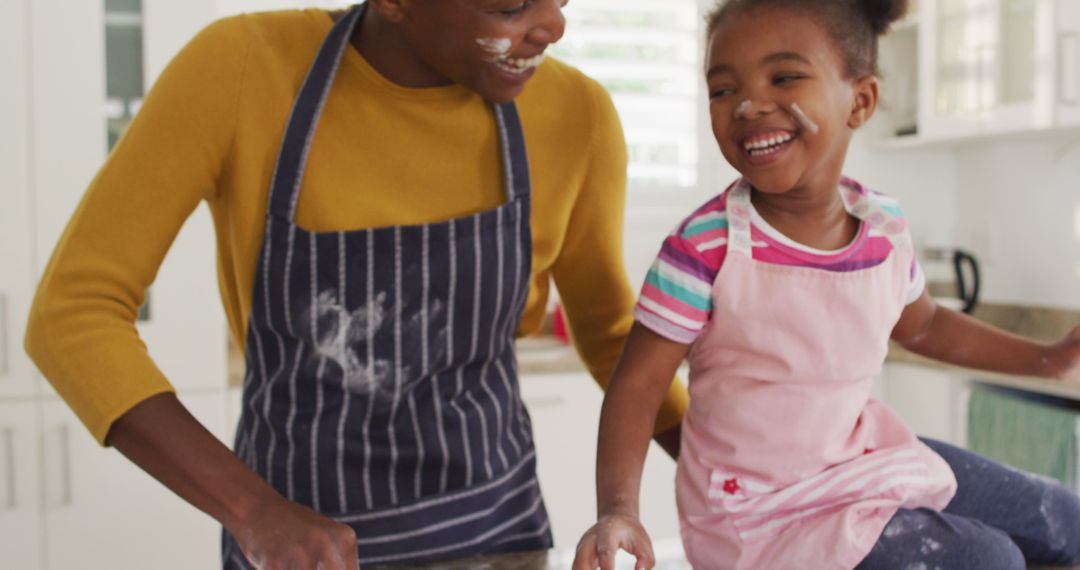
(853, 25)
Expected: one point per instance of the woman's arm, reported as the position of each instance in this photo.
(631, 402)
(590, 273)
(81, 331)
(950, 336)
(166, 441)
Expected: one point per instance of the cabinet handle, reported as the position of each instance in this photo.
(987, 75)
(1069, 68)
(4, 356)
(9, 469)
(62, 468)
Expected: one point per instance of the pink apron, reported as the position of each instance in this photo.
(786, 460)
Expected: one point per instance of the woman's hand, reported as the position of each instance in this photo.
(278, 534)
(1063, 357)
(611, 533)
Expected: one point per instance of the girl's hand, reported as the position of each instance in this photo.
(1064, 356)
(279, 534)
(612, 532)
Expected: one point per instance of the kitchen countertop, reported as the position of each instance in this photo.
(544, 354)
(1039, 323)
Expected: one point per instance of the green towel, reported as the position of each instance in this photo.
(1033, 433)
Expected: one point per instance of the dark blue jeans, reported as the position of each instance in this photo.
(1000, 518)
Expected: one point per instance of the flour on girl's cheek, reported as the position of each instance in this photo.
(497, 48)
(804, 120)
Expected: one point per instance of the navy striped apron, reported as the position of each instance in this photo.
(381, 386)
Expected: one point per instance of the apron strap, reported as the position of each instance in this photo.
(514, 160)
(289, 171)
(738, 214)
(300, 130)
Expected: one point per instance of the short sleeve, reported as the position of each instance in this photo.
(676, 299)
(916, 283)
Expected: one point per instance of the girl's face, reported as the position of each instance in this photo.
(783, 110)
(489, 46)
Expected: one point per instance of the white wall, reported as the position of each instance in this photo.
(1020, 214)
(922, 179)
(1014, 201)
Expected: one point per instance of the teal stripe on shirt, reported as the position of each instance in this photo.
(893, 210)
(702, 227)
(678, 292)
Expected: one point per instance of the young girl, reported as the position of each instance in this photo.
(783, 292)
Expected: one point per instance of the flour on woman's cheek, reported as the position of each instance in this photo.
(496, 48)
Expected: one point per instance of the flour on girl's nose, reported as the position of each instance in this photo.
(741, 110)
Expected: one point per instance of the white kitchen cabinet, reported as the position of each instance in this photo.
(932, 401)
(101, 511)
(186, 329)
(67, 85)
(565, 412)
(16, 233)
(20, 498)
(1067, 73)
(996, 66)
(962, 69)
(987, 69)
(897, 117)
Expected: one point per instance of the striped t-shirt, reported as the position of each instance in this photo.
(676, 299)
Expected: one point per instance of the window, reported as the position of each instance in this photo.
(123, 64)
(123, 77)
(647, 54)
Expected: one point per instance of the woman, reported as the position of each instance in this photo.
(380, 241)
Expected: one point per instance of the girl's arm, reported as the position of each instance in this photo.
(633, 396)
(950, 336)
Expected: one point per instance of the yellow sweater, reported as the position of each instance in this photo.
(383, 154)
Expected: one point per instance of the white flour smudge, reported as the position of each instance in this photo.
(803, 119)
(343, 335)
(740, 111)
(341, 330)
(497, 48)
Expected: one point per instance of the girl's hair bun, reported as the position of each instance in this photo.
(882, 13)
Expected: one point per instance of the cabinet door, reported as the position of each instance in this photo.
(989, 66)
(565, 412)
(102, 511)
(1067, 76)
(952, 48)
(931, 401)
(185, 325)
(1020, 58)
(20, 512)
(68, 86)
(16, 230)
(185, 330)
(76, 111)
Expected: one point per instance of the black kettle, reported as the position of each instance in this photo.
(967, 279)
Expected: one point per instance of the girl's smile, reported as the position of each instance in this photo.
(783, 108)
(767, 147)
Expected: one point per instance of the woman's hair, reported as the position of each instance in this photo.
(853, 25)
